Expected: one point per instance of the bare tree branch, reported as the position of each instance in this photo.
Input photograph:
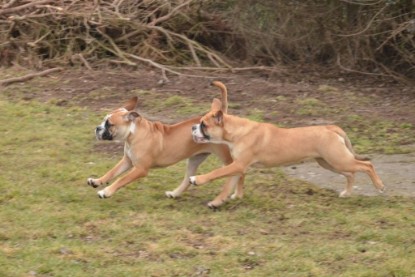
(29, 76)
(25, 6)
(170, 14)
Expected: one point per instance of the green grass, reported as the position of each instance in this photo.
(369, 133)
(53, 224)
(379, 135)
(311, 107)
(256, 115)
(158, 102)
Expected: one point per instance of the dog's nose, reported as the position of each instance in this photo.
(194, 127)
(98, 129)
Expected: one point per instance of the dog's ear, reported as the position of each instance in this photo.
(131, 104)
(216, 105)
(218, 116)
(131, 116)
(216, 108)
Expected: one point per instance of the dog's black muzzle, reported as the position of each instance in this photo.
(199, 129)
(103, 133)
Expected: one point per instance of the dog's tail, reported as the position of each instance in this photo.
(348, 143)
(224, 92)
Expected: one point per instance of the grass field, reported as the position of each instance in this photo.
(53, 224)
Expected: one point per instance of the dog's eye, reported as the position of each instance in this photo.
(108, 124)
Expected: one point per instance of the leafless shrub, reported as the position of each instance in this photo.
(372, 37)
(38, 33)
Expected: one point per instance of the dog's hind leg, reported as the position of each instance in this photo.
(192, 165)
(352, 165)
(342, 158)
(369, 169)
(349, 185)
(349, 176)
(239, 188)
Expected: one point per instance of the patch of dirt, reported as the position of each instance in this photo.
(277, 95)
(288, 99)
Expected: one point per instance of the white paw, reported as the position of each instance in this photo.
(93, 183)
(192, 180)
(216, 203)
(170, 194)
(344, 194)
(101, 194)
(235, 195)
(382, 190)
(213, 205)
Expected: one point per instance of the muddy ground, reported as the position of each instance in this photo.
(286, 98)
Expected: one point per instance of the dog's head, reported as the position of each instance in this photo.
(210, 128)
(118, 124)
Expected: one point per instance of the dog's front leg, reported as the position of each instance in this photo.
(230, 185)
(235, 168)
(119, 168)
(135, 173)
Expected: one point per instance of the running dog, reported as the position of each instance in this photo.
(153, 144)
(265, 144)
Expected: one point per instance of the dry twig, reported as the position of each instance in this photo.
(29, 76)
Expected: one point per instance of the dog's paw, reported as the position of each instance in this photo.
(170, 194)
(212, 206)
(344, 194)
(215, 204)
(93, 183)
(101, 194)
(192, 180)
(382, 190)
(236, 196)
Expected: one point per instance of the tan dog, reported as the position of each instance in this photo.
(265, 144)
(153, 144)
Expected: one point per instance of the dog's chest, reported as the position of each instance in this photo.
(235, 152)
(129, 152)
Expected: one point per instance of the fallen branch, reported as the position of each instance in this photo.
(11, 3)
(82, 59)
(117, 51)
(25, 6)
(231, 69)
(169, 15)
(29, 76)
(193, 45)
(165, 68)
(339, 64)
